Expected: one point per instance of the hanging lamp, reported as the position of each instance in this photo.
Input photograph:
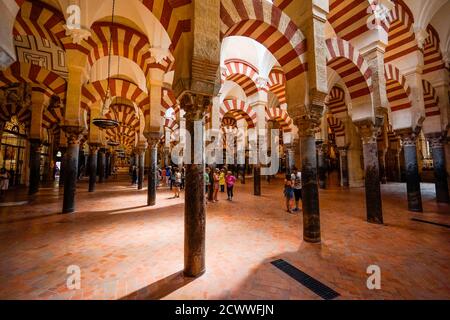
(103, 122)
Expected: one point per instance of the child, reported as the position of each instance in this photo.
(222, 180)
(230, 181)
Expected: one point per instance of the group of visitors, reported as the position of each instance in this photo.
(220, 179)
(293, 190)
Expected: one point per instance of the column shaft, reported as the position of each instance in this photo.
(70, 180)
(141, 170)
(152, 174)
(440, 172)
(35, 166)
(93, 158)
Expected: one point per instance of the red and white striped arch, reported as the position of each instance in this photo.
(398, 91)
(337, 126)
(402, 40)
(22, 112)
(277, 85)
(335, 101)
(168, 101)
(52, 118)
(343, 58)
(38, 19)
(431, 100)
(243, 74)
(432, 57)
(239, 109)
(349, 18)
(174, 16)
(24, 72)
(270, 26)
(95, 91)
(280, 116)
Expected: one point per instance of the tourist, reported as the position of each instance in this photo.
(172, 177)
(216, 178)
(288, 193)
(207, 183)
(222, 180)
(4, 181)
(230, 181)
(167, 176)
(297, 188)
(177, 183)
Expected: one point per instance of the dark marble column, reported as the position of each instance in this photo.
(398, 166)
(152, 140)
(382, 164)
(257, 180)
(101, 165)
(62, 171)
(440, 173)
(35, 166)
(409, 139)
(374, 207)
(310, 190)
(93, 159)
(71, 170)
(141, 170)
(321, 163)
(289, 158)
(343, 164)
(195, 209)
(107, 164)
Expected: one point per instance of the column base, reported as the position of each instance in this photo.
(189, 274)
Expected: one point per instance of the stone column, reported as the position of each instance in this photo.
(152, 140)
(382, 164)
(321, 163)
(409, 139)
(195, 210)
(369, 133)
(70, 181)
(440, 173)
(101, 165)
(257, 179)
(289, 158)
(141, 170)
(343, 164)
(310, 190)
(62, 171)
(93, 158)
(35, 166)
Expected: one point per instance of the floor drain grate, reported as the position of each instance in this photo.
(309, 282)
(433, 223)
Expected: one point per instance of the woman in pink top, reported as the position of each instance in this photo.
(230, 181)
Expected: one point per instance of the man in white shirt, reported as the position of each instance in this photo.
(297, 179)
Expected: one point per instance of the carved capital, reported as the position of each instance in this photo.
(153, 139)
(436, 140)
(369, 130)
(36, 145)
(74, 134)
(78, 35)
(93, 148)
(407, 136)
(195, 105)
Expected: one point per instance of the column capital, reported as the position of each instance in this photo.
(195, 105)
(407, 136)
(74, 134)
(436, 140)
(93, 148)
(369, 130)
(153, 139)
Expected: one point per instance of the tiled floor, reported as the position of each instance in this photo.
(127, 250)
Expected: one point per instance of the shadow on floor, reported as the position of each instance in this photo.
(161, 288)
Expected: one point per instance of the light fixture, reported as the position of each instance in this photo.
(103, 122)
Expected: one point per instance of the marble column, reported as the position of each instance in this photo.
(409, 139)
(93, 159)
(382, 164)
(195, 209)
(369, 133)
(440, 173)
(62, 171)
(257, 179)
(343, 164)
(35, 166)
(289, 158)
(310, 190)
(141, 169)
(101, 165)
(322, 163)
(152, 140)
(71, 170)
